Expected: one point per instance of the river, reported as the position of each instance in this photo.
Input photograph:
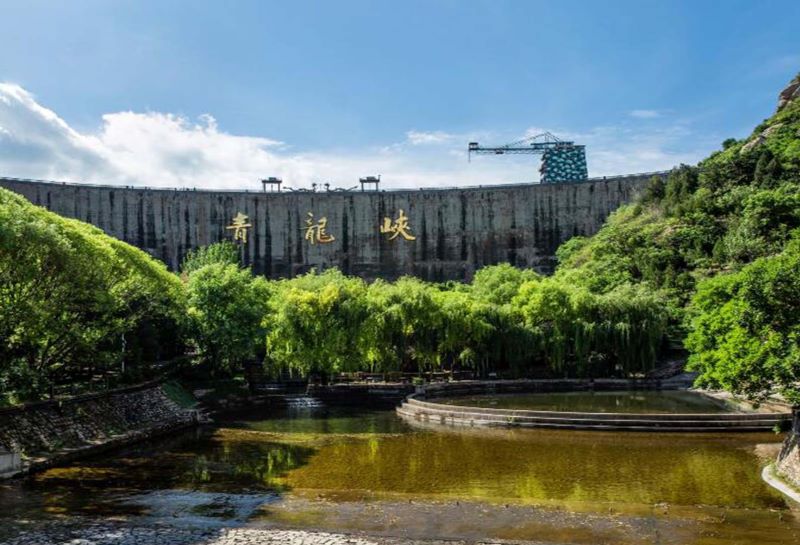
(370, 471)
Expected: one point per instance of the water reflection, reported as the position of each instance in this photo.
(195, 461)
(317, 421)
(599, 402)
(541, 466)
(233, 470)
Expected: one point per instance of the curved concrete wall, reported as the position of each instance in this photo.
(428, 411)
(457, 230)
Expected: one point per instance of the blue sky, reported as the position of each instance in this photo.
(218, 94)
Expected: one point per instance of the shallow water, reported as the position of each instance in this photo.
(323, 468)
(598, 402)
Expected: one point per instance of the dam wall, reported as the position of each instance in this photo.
(435, 234)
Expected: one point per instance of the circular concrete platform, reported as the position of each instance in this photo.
(423, 407)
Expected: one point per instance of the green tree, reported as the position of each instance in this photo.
(74, 301)
(404, 325)
(314, 323)
(745, 334)
(499, 284)
(224, 252)
(226, 308)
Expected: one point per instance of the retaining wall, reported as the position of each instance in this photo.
(422, 407)
(789, 458)
(385, 395)
(52, 432)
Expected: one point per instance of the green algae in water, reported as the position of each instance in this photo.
(377, 457)
(321, 421)
(598, 402)
(547, 467)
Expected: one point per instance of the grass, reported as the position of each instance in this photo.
(177, 393)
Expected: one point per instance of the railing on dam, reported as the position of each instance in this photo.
(503, 185)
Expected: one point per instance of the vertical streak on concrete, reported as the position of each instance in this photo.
(457, 230)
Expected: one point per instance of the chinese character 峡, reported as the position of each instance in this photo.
(239, 226)
(397, 228)
(315, 231)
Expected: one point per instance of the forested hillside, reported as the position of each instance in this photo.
(720, 242)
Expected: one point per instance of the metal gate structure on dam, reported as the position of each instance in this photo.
(435, 234)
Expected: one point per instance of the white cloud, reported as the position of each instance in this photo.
(418, 137)
(165, 150)
(644, 114)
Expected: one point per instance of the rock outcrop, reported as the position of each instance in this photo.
(789, 93)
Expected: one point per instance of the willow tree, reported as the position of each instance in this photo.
(498, 284)
(577, 332)
(226, 308)
(467, 330)
(404, 327)
(314, 323)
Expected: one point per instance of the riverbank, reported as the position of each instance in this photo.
(49, 433)
(788, 463)
(117, 534)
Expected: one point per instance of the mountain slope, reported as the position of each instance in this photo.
(716, 242)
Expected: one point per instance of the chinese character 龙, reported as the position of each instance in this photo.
(315, 231)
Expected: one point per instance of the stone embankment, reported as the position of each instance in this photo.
(383, 394)
(788, 464)
(52, 432)
(422, 407)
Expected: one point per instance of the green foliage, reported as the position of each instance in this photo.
(313, 323)
(226, 307)
(581, 333)
(225, 252)
(507, 320)
(711, 241)
(499, 284)
(746, 330)
(76, 304)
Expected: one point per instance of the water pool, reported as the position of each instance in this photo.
(365, 470)
(645, 401)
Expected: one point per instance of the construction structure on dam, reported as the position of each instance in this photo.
(436, 234)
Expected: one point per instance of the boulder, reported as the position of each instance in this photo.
(755, 142)
(760, 139)
(790, 93)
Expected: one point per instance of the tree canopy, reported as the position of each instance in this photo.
(716, 242)
(75, 302)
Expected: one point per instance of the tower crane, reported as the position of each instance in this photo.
(562, 161)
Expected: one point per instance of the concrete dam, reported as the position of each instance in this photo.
(434, 234)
